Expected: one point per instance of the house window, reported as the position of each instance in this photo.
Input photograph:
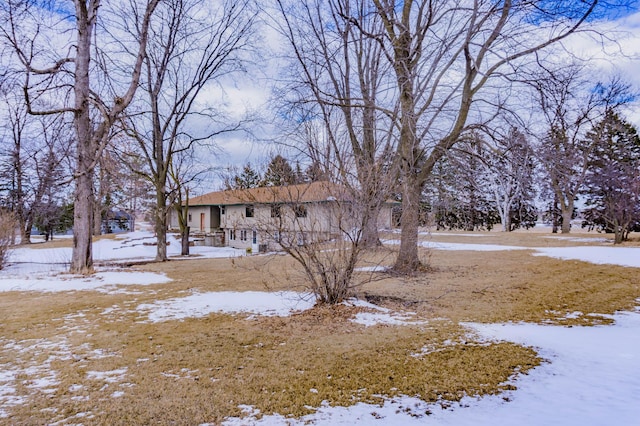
(249, 210)
(276, 210)
(300, 211)
(255, 237)
(232, 234)
(243, 235)
(222, 209)
(189, 217)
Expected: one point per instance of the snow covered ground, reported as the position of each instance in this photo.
(623, 256)
(591, 377)
(42, 269)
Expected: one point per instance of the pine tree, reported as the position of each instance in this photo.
(613, 178)
(248, 178)
(315, 173)
(279, 172)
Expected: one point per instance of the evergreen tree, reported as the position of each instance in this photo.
(457, 194)
(314, 173)
(248, 178)
(613, 178)
(279, 172)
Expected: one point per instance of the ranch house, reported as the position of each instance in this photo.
(260, 218)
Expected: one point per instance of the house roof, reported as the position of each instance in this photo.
(302, 193)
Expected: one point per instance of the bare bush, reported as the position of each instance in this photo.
(8, 226)
(318, 224)
(328, 258)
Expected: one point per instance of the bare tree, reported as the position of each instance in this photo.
(69, 79)
(135, 192)
(185, 172)
(33, 162)
(509, 168)
(189, 51)
(338, 80)
(448, 60)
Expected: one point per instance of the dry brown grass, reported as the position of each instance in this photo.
(37, 241)
(201, 370)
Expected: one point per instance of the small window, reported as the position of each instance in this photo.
(276, 210)
(189, 217)
(249, 211)
(232, 234)
(301, 211)
(255, 237)
(243, 235)
(222, 209)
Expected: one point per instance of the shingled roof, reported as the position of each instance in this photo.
(303, 193)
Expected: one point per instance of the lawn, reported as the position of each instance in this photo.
(226, 338)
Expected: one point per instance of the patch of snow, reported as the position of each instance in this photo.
(26, 367)
(364, 304)
(369, 319)
(451, 234)
(468, 341)
(471, 247)
(139, 245)
(281, 304)
(101, 281)
(580, 239)
(623, 256)
(592, 378)
(462, 246)
(112, 376)
(378, 268)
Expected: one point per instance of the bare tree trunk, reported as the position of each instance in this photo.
(506, 227)
(25, 231)
(567, 214)
(25, 237)
(408, 260)
(554, 215)
(618, 234)
(185, 241)
(617, 238)
(370, 237)
(161, 223)
(82, 260)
